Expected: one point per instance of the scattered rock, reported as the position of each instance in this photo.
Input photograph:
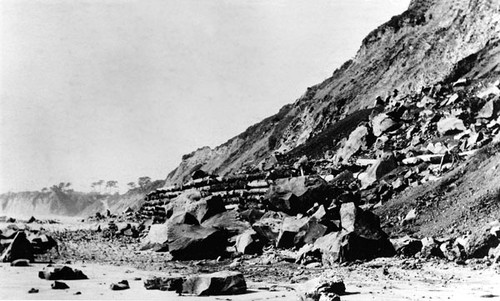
(325, 287)
(58, 285)
(407, 246)
(187, 242)
(164, 283)
(120, 286)
(220, 283)
(61, 273)
(33, 290)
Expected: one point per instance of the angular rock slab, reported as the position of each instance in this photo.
(186, 242)
(289, 229)
(220, 283)
(19, 248)
(298, 195)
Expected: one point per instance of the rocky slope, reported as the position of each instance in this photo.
(432, 41)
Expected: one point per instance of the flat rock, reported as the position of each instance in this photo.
(220, 283)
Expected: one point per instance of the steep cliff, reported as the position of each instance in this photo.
(434, 40)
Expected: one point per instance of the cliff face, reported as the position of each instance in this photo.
(434, 40)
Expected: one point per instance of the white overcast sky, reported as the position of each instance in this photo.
(118, 89)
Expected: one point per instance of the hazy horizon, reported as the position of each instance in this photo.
(119, 89)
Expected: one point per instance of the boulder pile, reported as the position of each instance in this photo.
(321, 206)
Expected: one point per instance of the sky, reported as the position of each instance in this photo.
(119, 89)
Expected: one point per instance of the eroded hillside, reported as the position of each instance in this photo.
(432, 41)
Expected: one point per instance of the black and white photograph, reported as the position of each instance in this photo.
(250, 150)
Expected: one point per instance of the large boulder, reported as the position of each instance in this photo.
(360, 238)
(252, 215)
(407, 246)
(228, 221)
(220, 283)
(290, 227)
(43, 243)
(383, 123)
(192, 203)
(385, 164)
(357, 140)
(188, 242)
(249, 242)
(450, 124)
(206, 208)
(310, 232)
(156, 238)
(269, 226)
(179, 204)
(479, 244)
(183, 218)
(19, 248)
(298, 195)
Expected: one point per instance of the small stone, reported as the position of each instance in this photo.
(33, 290)
(77, 293)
